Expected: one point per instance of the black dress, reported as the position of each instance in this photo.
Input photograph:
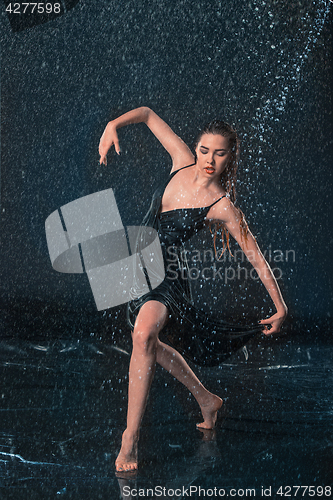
(200, 337)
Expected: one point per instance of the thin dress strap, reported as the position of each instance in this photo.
(210, 206)
(186, 166)
(182, 168)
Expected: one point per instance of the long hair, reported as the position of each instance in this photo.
(228, 178)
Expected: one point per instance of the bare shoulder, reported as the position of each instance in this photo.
(225, 211)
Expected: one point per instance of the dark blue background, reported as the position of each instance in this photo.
(266, 67)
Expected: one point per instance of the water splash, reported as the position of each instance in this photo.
(290, 69)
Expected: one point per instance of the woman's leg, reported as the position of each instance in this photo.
(147, 349)
(175, 364)
(150, 320)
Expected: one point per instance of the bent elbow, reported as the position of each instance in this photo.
(146, 113)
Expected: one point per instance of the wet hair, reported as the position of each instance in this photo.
(228, 178)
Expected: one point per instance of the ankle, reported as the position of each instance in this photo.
(129, 434)
(204, 398)
(209, 399)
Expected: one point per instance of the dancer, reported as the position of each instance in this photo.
(199, 191)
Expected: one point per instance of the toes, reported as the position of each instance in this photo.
(209, 420)
(204, 426)
(126, 467)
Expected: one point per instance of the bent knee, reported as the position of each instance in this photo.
(145, 339)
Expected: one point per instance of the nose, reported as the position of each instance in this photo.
(210, 159)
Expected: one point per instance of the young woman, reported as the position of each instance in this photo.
(199, 191)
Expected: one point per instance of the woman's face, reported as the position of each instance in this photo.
(213, 154)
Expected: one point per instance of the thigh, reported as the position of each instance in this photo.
(152, 316)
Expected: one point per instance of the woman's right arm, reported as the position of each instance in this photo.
(178, 150)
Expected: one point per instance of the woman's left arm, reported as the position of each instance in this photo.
(230, 216)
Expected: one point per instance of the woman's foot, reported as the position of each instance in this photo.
(127, 460)
(209, 409)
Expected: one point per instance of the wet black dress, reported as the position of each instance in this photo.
(200, 337)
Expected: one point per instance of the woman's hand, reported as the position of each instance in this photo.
(108, 139)
(275, 321)
(179, 152)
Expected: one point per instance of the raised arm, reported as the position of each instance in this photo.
(178, 150)
(226, 212)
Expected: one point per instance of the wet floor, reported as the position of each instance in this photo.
(63, 407)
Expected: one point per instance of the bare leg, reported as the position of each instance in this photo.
(175, 364)
(147, 349)
(150, 321)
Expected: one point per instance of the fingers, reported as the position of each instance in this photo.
(103, 151)
(103, 157)
(266, 330)
(274, 322)
(109, 138)
(267, 321)
(117, 147)
(270, 326)
(275, 327)
(103, 160)
(270, 331)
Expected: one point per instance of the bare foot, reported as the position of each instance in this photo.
(127, 460)
(209, 411)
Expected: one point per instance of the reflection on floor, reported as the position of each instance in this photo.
(64, 406)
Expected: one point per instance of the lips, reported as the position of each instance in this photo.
(210, 170)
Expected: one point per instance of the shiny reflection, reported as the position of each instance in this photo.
(63, 406)
(207, 451)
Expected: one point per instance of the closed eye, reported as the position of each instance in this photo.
(219, 152)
